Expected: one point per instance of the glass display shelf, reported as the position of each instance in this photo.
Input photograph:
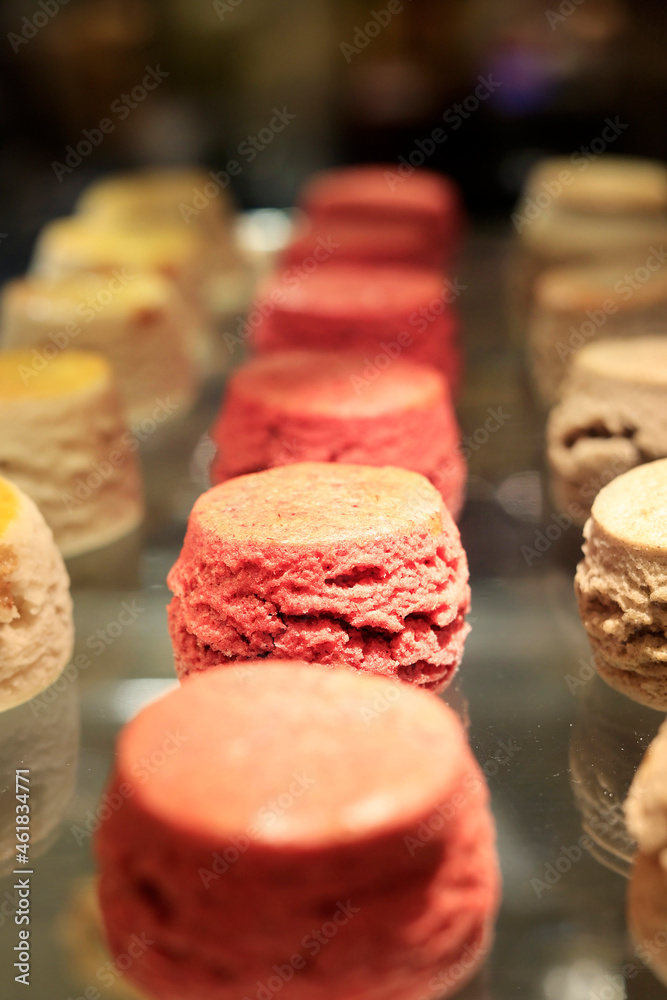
(558, 748)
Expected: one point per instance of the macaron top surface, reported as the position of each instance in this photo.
(9, 505)
(292, 754)
(633, 508)
(379, 187)
(320, 503)
(149, 194)
(133, 187)
(79, 241)
(72, 297)
(637, 360)
(627, 282)
(67, 373)
(341, 290)
(608, 184)
(337, 385)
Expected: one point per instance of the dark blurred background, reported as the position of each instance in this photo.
(363, 82)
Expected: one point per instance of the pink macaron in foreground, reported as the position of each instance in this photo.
(288, 828)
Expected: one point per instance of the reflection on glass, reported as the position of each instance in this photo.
(41, 736)
(80, 930)
(647, 913)
(457, 701)
(608, 741)
(114, 566)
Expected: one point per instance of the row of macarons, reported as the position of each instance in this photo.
(588, 288)
(589, 260)
(355, 361)
(141, 276)
(591, 273)
(273, 807)
(305, 821)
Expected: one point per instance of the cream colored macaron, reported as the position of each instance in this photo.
(136, 319)
(573, 306)
(607, 185)
(621, 583)
(188, 198)
(65, 443)
(78, 242)
(612, 417)
(159, 196)
(36, 626)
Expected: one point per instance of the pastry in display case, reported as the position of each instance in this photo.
(318, 831)
(621, 584)
(186, 197)
(36, 625)
(611, 417)
(311, 406)
(84, 475)
(575, 306)
(136, 318)
(375, 194)
(323, 562)
(582, 210)
(383, 312)
(79, 243)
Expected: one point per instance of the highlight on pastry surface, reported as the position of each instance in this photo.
(178, 196)
(325, 823)
(646, 813)
(135, 318)
(65, 443)
(427, 203)
(621, 583)
(381, 312)
(36, 626)
(307, 406)
(575, 305)
(325, 562)
(612, 417)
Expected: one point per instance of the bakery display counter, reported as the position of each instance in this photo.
(557, 748)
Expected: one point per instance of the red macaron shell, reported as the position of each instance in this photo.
(380, 312)
(296, 406)
(384, 192)
(326, 562)
(379, 241)
(294, 798)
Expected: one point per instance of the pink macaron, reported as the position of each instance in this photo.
(302, 406)
(382, 313)
(287, 828)
(323, 562)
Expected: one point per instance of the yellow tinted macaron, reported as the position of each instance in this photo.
(27, 375)
(9, 505)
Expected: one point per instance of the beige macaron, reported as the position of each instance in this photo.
(621, 583)
(579, 304)
(36, 626)
(612, 417)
